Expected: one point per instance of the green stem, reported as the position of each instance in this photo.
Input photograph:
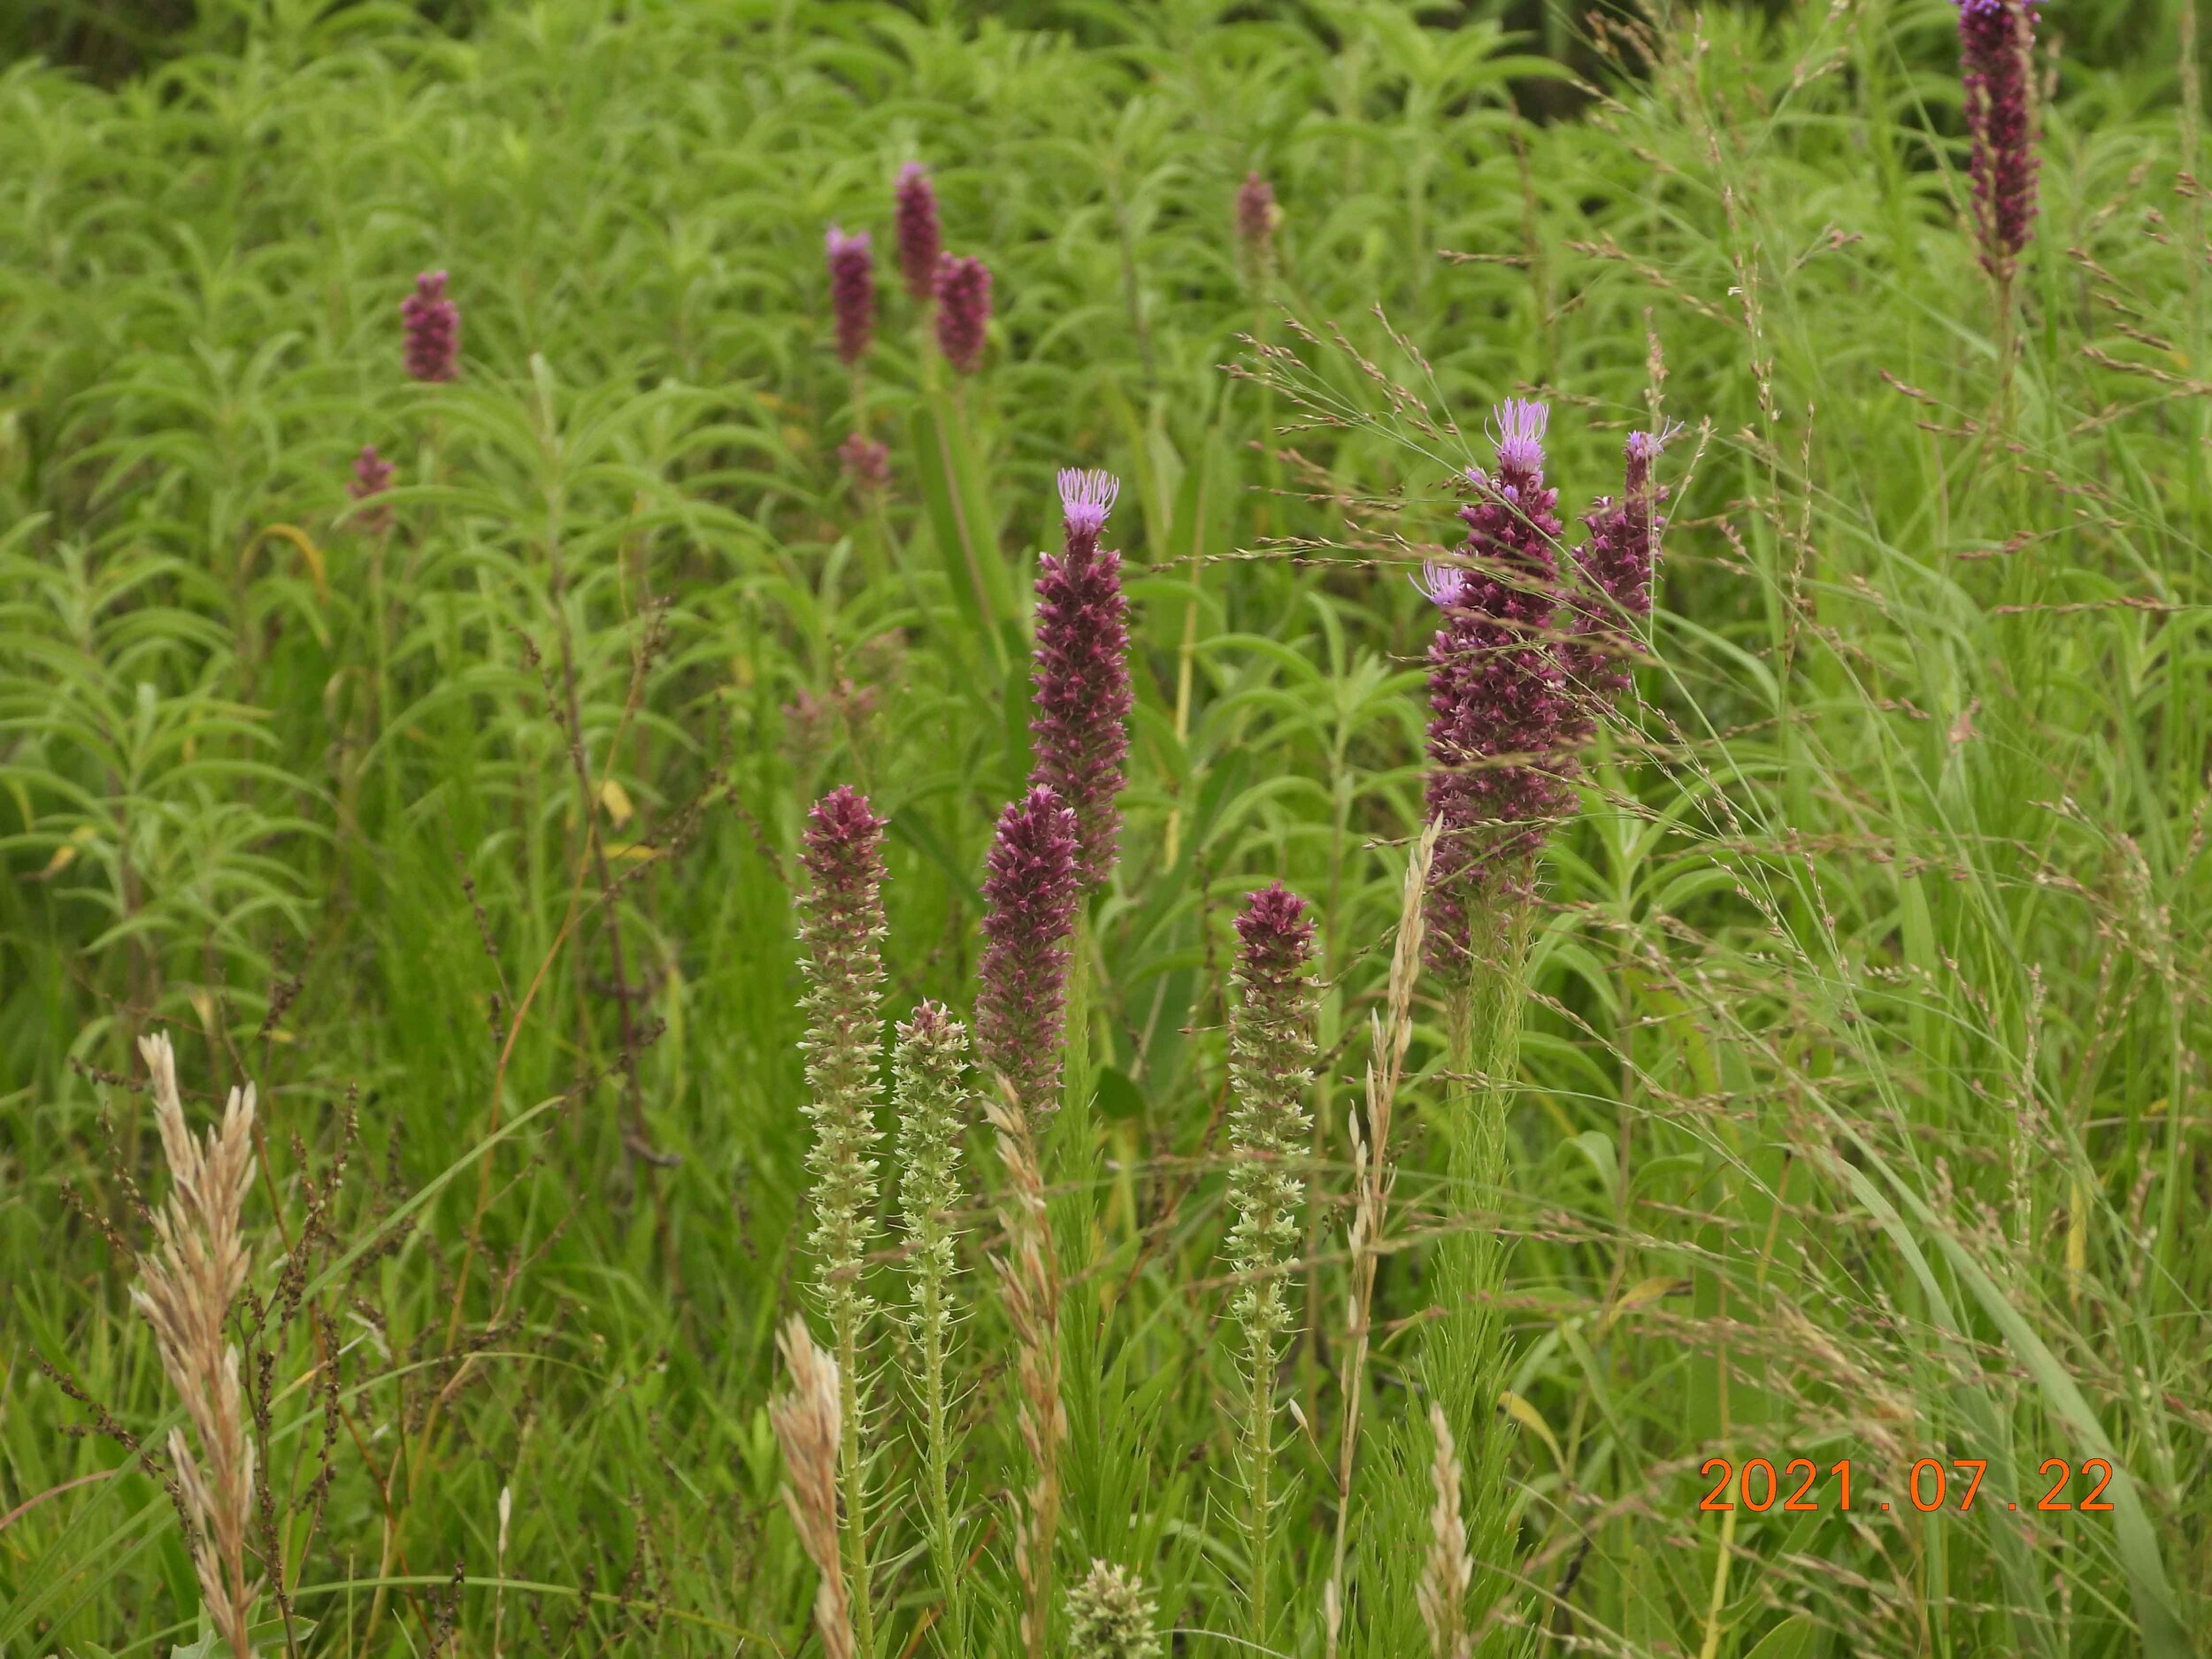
(855, 1488)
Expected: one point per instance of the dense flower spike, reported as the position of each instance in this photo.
(1030, 891)
(842, 925)
(432, 323)
(372, 476)
(866, 463)
(931, 1101)
(1996, 45)
(964, 309)
(1109, 1617)
(1082, 672)
(1499, 702)
(1270, 1063)
(852, 281)
(920, 242)
(1256, 219)
(1616, 565)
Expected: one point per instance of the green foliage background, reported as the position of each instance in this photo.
(1860, 1113)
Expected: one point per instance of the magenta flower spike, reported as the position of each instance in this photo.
(1081, 677)
(1996, 49)
(1256, 214)
(1030, 893)
(433, 324)
(852, 281)
(1499, 703)
(914, 219)
(1616, 564)
(372, 476)
(964, 309)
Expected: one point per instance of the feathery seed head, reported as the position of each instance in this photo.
(433, 325)
(1029, 895)
(852, 278)
(963, 310)
(914, 216)
(1109, 1617)
(1080, 678)
(809, 1422)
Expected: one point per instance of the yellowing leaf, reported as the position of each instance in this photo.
(616, 799)
(1636, 1294)
(1529, 1418)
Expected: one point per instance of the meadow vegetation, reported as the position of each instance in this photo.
(752, 1149)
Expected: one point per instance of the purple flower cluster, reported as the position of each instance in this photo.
(964, 309)
(1082, 672)
(1030, 893)
(1499, 698)
(433, 324)
(1996, 44)
(372, 476)
(914, 216)
(867, 462)
(852, 279)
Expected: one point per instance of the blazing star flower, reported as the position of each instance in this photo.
(1498, 697)
(1271, 1065)
(1256, 219)
(964, 309)
(372, 476)
(433, 324)
(866, 463)
(1081, 677)
(1030, 895)
(914, 216)
(1615, 565)
(842, 925)
(852, 274)
(1996, 47)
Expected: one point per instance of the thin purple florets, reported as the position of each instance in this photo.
(964, 309)
(1029, 894)
(914, 217)
(1081, 676)
(1996, 48)
(1086, 497)
(852, 278)
(372, 476)
(433, 324)
(1500, 703)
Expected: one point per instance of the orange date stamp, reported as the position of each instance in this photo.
(1800, 1486)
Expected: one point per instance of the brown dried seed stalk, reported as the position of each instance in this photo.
(1450, 1568)
(1372, 1180)
(186, 1285)
(809, 1425)
(1030, 1280)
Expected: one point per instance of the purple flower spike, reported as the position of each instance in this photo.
(964, 308)
(920, 242)
(372, 476)
(866, 463)
(1996, 48)
(1081, 677)
(432, 323)
(1256, 215)
(1500, 710)
(1616, 565)
(852, 275)
(1029, 895)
